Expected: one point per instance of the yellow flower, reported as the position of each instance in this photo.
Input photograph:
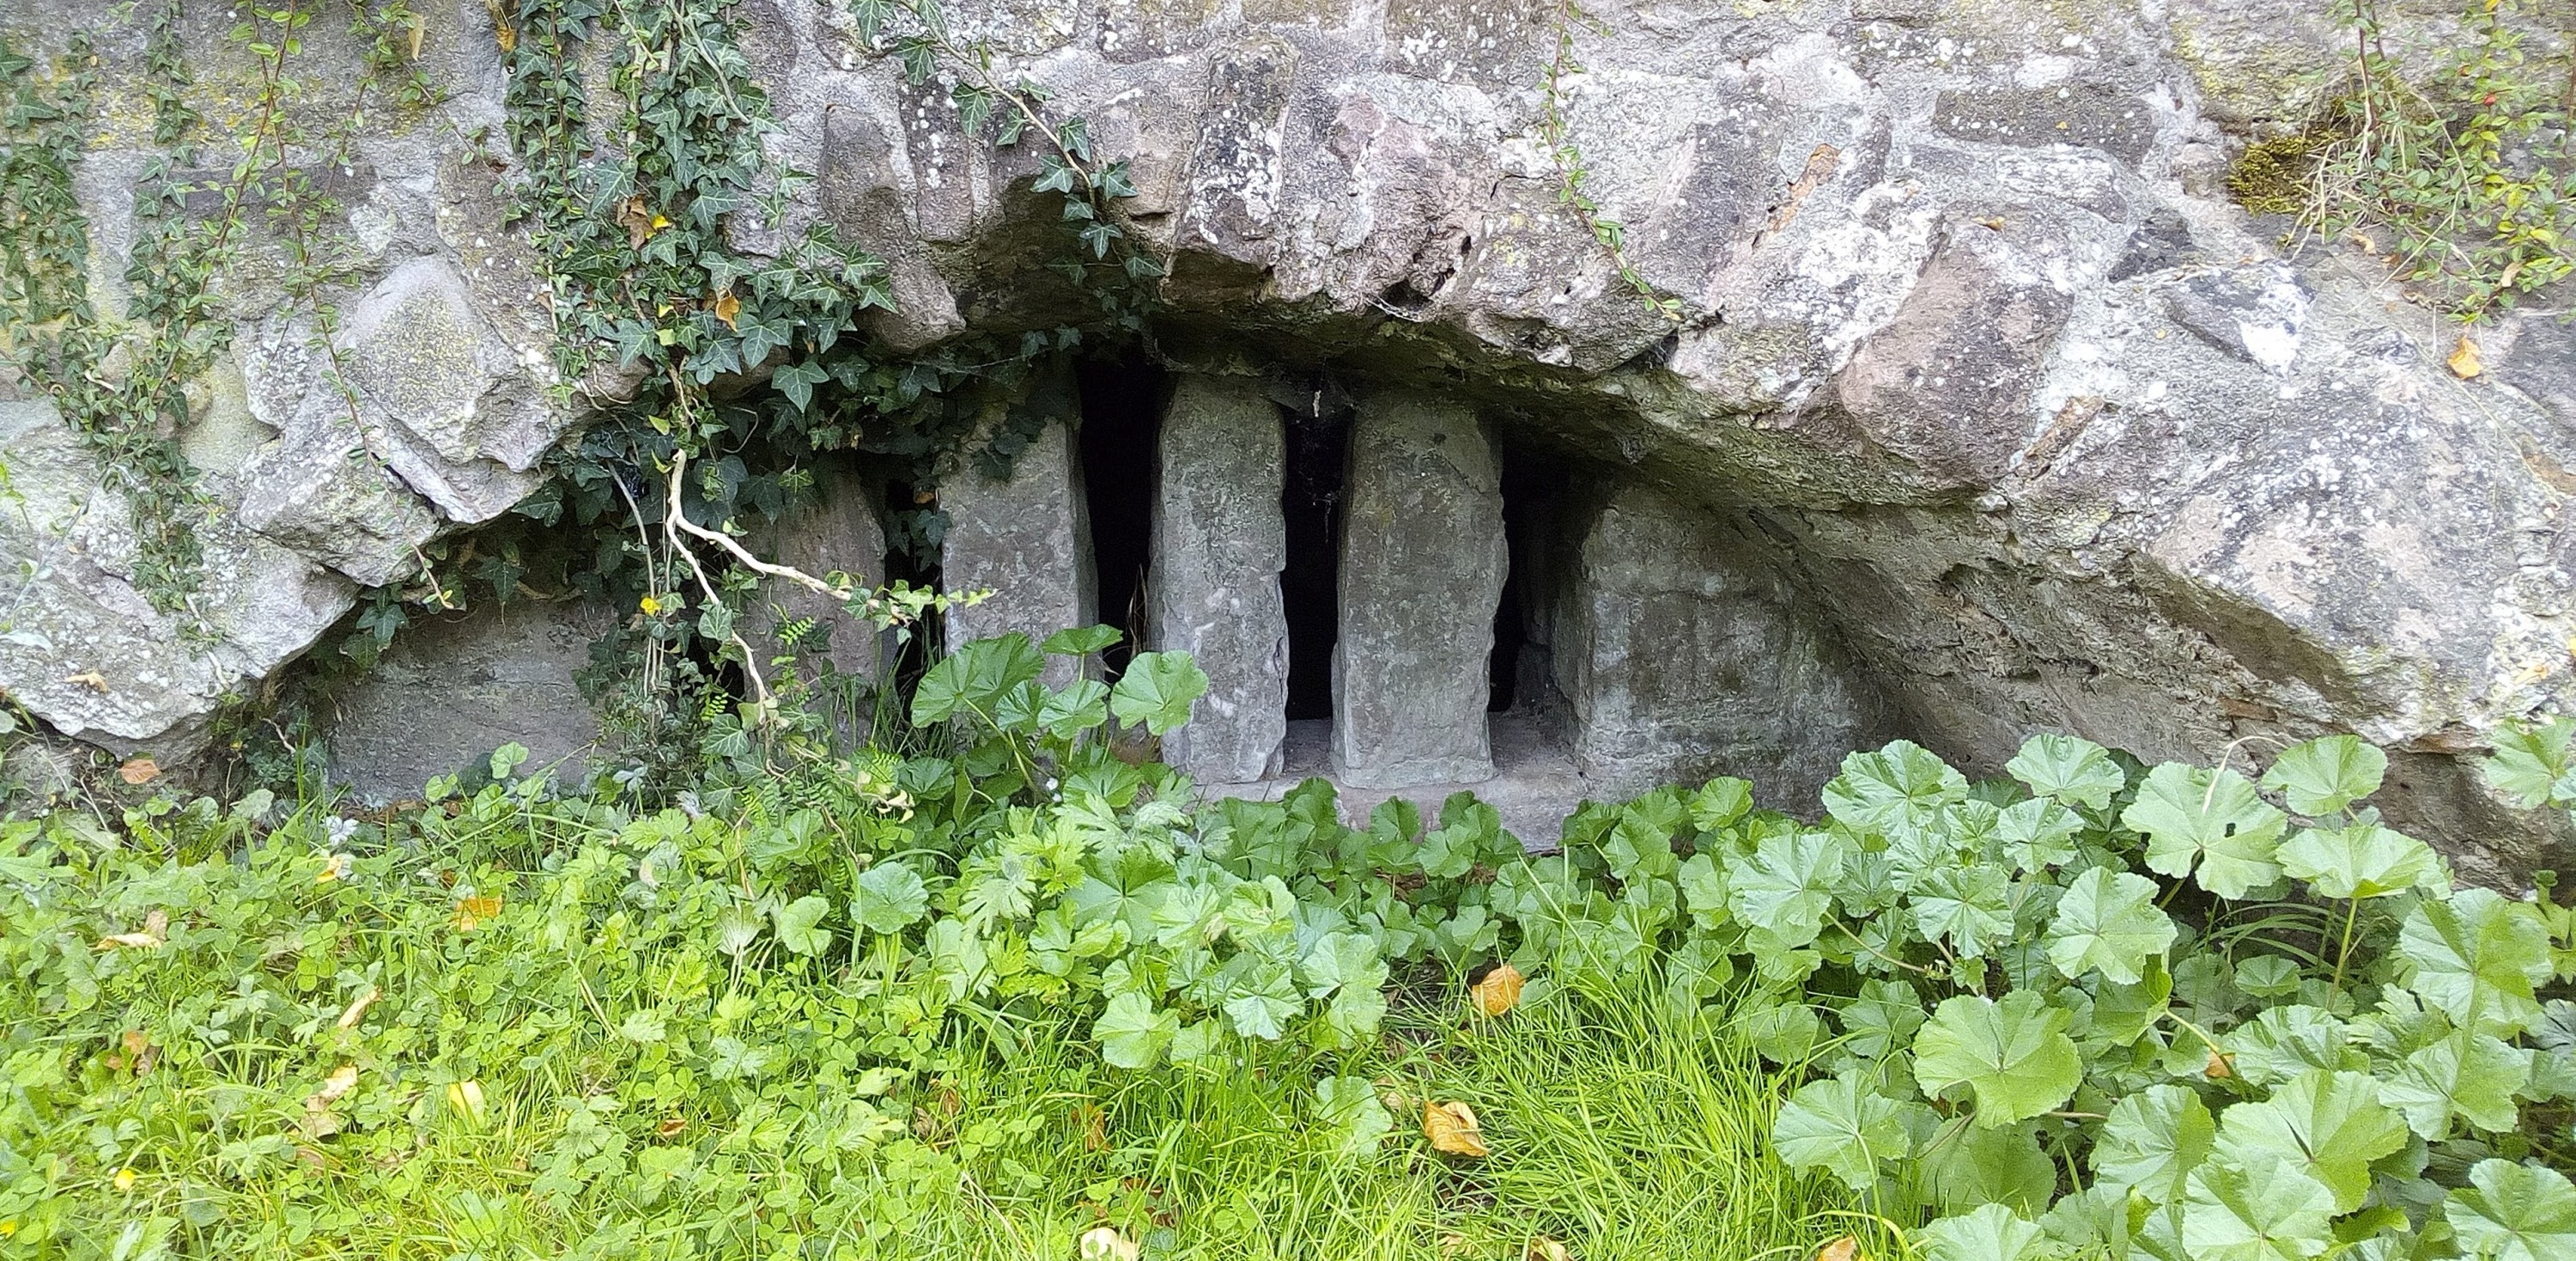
(125, 1179)
(651, 605)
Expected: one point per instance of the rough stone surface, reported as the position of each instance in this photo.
(1219, 544)
(1027, 539)
(838, 532)
(1421, 573)
(2046, 432)
(1680, 657)
(453, 689)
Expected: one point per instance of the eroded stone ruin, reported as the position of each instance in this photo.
(1986, 411)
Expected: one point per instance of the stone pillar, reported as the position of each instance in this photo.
(1681, 658)
(839, 531)
(1220, 542)
(1421, 575)
(1026, 538)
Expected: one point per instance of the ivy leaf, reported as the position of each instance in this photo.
(2068, 768)
(1786, 888)
(890, 898)
(800, 925)
(2153, 1140)
(1841, 1125)
(2272, 1211)
(2108, 922)
(1131, 1034)
(2530, 762)
(1991, 1233)
(1157, 690)
(2476, 957)
(2512, 1212)
(2364, 860)
(1903, 784)
(2014, 1056)
(2322, 776)
(2212, 818)
(2330, 1125)
(1353, 1117)
(2471, 1076)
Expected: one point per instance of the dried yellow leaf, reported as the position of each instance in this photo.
(726, 307)
(90, 679)
(129, 941)
(2220, 1067)
(139, 770)
(1844, 1249)
(1104, 1243)
(2464, 359)
(357, 1007)
(471, 912)
(465, 1098)
(339, 1083)
(1499, 991)
(336, 867)
(1451, 1127)
(1542, 1248)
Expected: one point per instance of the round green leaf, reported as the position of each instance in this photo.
(2364, 860)
(2108, 922)
(890, 899)
(2210, 819)
(2153, 1140)
(1841, 1125)
(2014, 1056)
(2271, 1211)
(2072, 770)
(2512, 1212)
(2323, 776)
(1157, 690)
(1991, 1233)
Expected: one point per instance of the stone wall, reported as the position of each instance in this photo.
(2016, 406)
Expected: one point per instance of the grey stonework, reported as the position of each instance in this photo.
(2050, 434)
(1025, 538)
(452, 689)
(1680, 656)
(1219, 544)
(1422, 570)
(838, 532)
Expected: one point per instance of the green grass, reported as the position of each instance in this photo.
(777, 1110)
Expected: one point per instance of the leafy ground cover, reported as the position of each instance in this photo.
(1005, 993)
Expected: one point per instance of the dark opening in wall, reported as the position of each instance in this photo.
(1122, 413)
(1318, 440)
(1534, 485)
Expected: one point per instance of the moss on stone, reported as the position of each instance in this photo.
(2271, 177)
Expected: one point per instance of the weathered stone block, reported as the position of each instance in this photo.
(1422, 571)
(838, 532)
(1679, 659)
(1220, 542)
(1026, 538)
(466, 427)
(452, 689)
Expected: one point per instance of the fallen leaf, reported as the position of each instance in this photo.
(335, 869)
(419, 28)
(1499, 991)
(726, 306)
(1104, 1243)
(2464, 359)
(1992, 224)
(1542, 1248)
(1843, 1249)
(638, 221)
(2220, 1067)
(471, 912)
(337, 1084)
(357, 1007)
(501, 29)
(90, 679)
(671, 1126)
(139, 770)
(157, 923)
(1451, 1127)
(466, 1099)
(136, 1042)
(1095, 1127)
